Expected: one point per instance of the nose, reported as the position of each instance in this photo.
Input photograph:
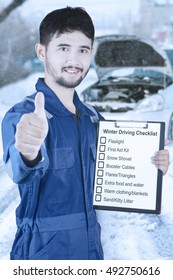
(73, 59)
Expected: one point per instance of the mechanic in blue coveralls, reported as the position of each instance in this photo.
(49, 142)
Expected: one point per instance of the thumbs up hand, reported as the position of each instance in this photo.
(31, 130)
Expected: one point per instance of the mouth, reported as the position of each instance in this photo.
(72, 70)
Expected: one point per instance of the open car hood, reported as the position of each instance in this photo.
(122, 51)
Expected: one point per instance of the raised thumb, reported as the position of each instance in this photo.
(39, 105)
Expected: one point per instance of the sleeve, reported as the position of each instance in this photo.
(16, 168)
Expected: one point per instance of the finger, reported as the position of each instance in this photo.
(162, 152)
(30, 134)
(164, 160)
(167, 142)
(31, 124)
(163, 168)
(39, 105)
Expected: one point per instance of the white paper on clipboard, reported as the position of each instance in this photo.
(125, 177)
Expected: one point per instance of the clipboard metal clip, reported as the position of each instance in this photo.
(131, 124)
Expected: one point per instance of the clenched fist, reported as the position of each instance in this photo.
(32, 130)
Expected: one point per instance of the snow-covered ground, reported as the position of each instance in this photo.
(125, 236)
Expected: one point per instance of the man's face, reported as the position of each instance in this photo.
(67, 59)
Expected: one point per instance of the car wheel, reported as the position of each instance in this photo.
(170, 128)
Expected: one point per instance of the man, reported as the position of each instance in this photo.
(50, 148)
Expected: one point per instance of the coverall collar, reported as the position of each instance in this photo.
(53, 103)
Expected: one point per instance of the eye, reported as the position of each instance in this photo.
(64, 49)
(84, 50)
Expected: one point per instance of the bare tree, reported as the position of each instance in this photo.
(7, 10)
(17, 51)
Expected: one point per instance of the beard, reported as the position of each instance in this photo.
(68, 84)
(64, 82)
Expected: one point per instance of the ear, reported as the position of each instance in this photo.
(40, 51)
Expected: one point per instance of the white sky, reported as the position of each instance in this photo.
(121, 5)
(101, 11)
(109, 5)
(96, 8)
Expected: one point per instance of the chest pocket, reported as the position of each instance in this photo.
(60, 158)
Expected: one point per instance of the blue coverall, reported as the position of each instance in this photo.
(55, 217)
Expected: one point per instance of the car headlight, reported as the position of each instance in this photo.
(150, 104)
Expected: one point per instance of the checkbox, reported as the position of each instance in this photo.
(102, 148)
(103, 140)
(101, 156)
(100, 164)
(99, 181)
(100, 173)
(98, 197)
(98, 189)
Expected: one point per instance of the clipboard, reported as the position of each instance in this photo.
(125, 177)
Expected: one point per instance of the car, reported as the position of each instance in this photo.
(133, 75)
(157, 107)
(169, 53)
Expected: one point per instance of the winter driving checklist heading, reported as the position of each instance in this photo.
(125, 177)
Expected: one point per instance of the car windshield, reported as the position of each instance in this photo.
(127, 53)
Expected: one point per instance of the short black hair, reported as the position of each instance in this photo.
(68, 19)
